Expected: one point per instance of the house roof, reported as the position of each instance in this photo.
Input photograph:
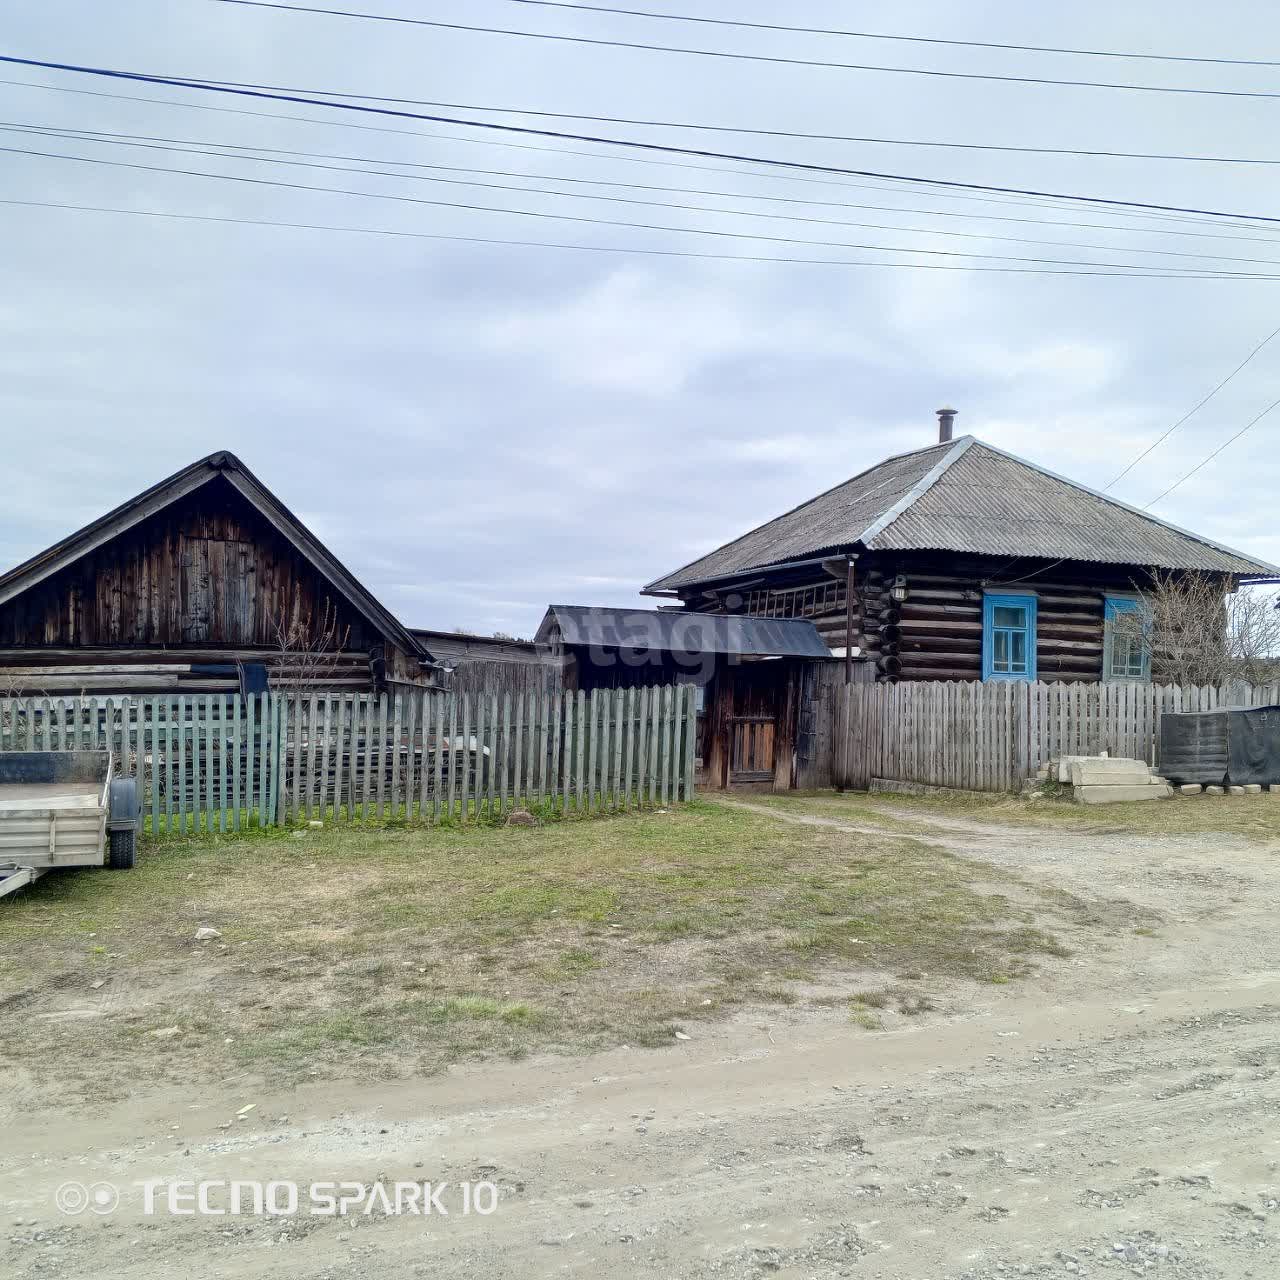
(673, 631)
(967, 496)
(226, 465)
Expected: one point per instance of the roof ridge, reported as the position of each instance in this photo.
(959, 448)
(1127, 506)
(782, 515)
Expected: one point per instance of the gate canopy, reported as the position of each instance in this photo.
(674, 631)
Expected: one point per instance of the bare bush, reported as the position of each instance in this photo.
(1199, 632)
(310, 651)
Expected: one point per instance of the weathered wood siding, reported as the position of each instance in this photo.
(936, 632)
(207, 571)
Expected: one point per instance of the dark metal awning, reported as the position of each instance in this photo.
(678, 632)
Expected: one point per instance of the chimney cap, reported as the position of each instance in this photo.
(946, 417)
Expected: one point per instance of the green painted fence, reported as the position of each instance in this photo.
(219, 762)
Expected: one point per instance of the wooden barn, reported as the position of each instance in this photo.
(959, 562)
(206, 582)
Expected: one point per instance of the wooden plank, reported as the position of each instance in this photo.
(555, 713)
(566, 758)
(452, 759)
(530, 743)
(481, 729)
(437, 757)
(616, 734)
(627, 743)
(361, 744)
(504, 752)
(543, 704)
(397, 729)
(224, 739)
(593, 749)
(491, 742)
(181, 734)
(464, 762)
(664, 744)
(429, 701)
(517, 752)
(579, 749)
(690, 740)
(413, 703)
(652, 734)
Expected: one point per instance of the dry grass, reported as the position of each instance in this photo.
(399, 950)
(1253, 817)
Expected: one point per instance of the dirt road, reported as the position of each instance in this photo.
(1114, 1114)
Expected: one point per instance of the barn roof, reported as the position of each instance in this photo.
(673, 631)
(226, 465)
(967, 496)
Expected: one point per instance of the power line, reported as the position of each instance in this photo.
(788, 177)
(584, 248)
(600, 42)
(1191, 412)
(1205, 462)
(220, 87)
(879, 35)
(196, 147)
(643, 122)
(1134, 268)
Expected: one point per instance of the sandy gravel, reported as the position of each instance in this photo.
(1113, 1115)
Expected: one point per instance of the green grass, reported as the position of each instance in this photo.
(391, 949)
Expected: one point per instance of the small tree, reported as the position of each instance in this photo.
(1199, 632)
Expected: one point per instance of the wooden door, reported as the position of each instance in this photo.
(751, 745)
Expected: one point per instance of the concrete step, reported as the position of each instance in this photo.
(1115, 793)
(1109, 772)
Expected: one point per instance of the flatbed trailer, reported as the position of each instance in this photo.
(64, 809)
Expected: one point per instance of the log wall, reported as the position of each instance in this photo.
(935, 633)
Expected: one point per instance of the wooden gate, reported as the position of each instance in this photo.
(752, 724)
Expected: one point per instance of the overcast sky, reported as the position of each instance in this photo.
(477, 430)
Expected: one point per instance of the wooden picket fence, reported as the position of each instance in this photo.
(222, 762)
(993, 736)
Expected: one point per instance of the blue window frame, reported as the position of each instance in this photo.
(1009, 637)
(1126, 651)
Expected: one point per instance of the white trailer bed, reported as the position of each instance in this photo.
(63, 809)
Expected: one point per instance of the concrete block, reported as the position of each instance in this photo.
(1253, 788)
(1087, 773)
(1190, 789)
(1211, 790)
(1115, 794)
(1235, 791)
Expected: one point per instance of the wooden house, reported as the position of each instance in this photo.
(959, 562)
(206, 582)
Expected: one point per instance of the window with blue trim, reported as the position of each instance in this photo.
(1126, 651)
(1009, 637)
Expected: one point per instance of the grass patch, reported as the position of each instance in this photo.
(1252, 817)
(400, 949)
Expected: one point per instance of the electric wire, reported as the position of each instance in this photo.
(776, 59)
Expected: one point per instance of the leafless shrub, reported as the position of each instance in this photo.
(1200, 632)
(309, 650)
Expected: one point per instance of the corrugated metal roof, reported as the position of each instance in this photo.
(673, 631)
(967, 496)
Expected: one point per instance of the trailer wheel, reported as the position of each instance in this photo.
(123, 851)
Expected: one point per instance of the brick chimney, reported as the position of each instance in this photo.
(946, 420)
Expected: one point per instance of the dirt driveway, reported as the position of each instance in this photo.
(1113, 1114)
